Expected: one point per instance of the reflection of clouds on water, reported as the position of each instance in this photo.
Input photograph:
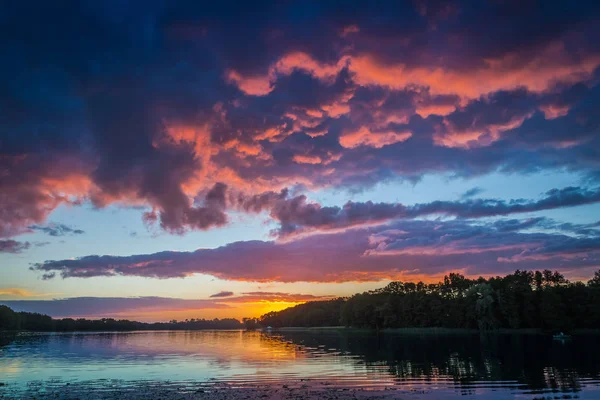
(459, 364)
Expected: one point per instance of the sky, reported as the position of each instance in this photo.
(179, 159)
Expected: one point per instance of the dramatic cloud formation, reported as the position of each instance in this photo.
(389, 251)
(197, 114)
(296, 215)
(400, 90)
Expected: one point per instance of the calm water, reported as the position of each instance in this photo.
(465, 366)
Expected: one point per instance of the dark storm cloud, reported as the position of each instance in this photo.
(151, 104)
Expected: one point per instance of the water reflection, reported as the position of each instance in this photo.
(531, 363)
(531, 366)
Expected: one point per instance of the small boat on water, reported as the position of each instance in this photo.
(561, 336)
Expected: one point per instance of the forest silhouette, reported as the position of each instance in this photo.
(540, 300)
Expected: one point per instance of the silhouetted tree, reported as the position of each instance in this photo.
(523, 299)
(251, 324)
(595, 281)
(8, 319)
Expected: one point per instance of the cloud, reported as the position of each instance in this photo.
(365, 137)
(538, 74)
(18, 292)
(97, 307)
(298, 216)
(472, 193)
(555, 198)
(152, 107)
(248, 297)
(12, 246)
(392, 251)
(483, 121)
(222, 294)
(54, 229)
(106, 307)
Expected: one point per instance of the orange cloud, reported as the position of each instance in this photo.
(552, 111)
(249, 149)
(253, 86)
(307, 159)
(261, 85)
(365, 137)
(270, 134)
(17, 292)
(538, 74)
(44, 185)
(304, 62)
(475, 136)
(336, 109)
(434, 109)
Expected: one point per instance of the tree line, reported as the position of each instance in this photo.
(13, 321)
(542, 300)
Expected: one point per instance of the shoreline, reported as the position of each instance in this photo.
(431, 330)
(309, 390)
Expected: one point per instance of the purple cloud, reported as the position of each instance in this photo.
(188, 95)
(54, 229)
(12, 246)
(396, 250)
(222, 294)
(97, 307)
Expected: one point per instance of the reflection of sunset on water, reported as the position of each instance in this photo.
(456, 365)
(222, 345)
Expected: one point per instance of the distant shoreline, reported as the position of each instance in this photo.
(432, 330)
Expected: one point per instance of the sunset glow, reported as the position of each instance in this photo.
(192, 160)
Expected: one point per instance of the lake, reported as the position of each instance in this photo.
(457, 365)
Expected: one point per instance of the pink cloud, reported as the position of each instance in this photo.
(366, 137)
(251, 85)
(307, 159)
(549, 67)
(477, 135)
